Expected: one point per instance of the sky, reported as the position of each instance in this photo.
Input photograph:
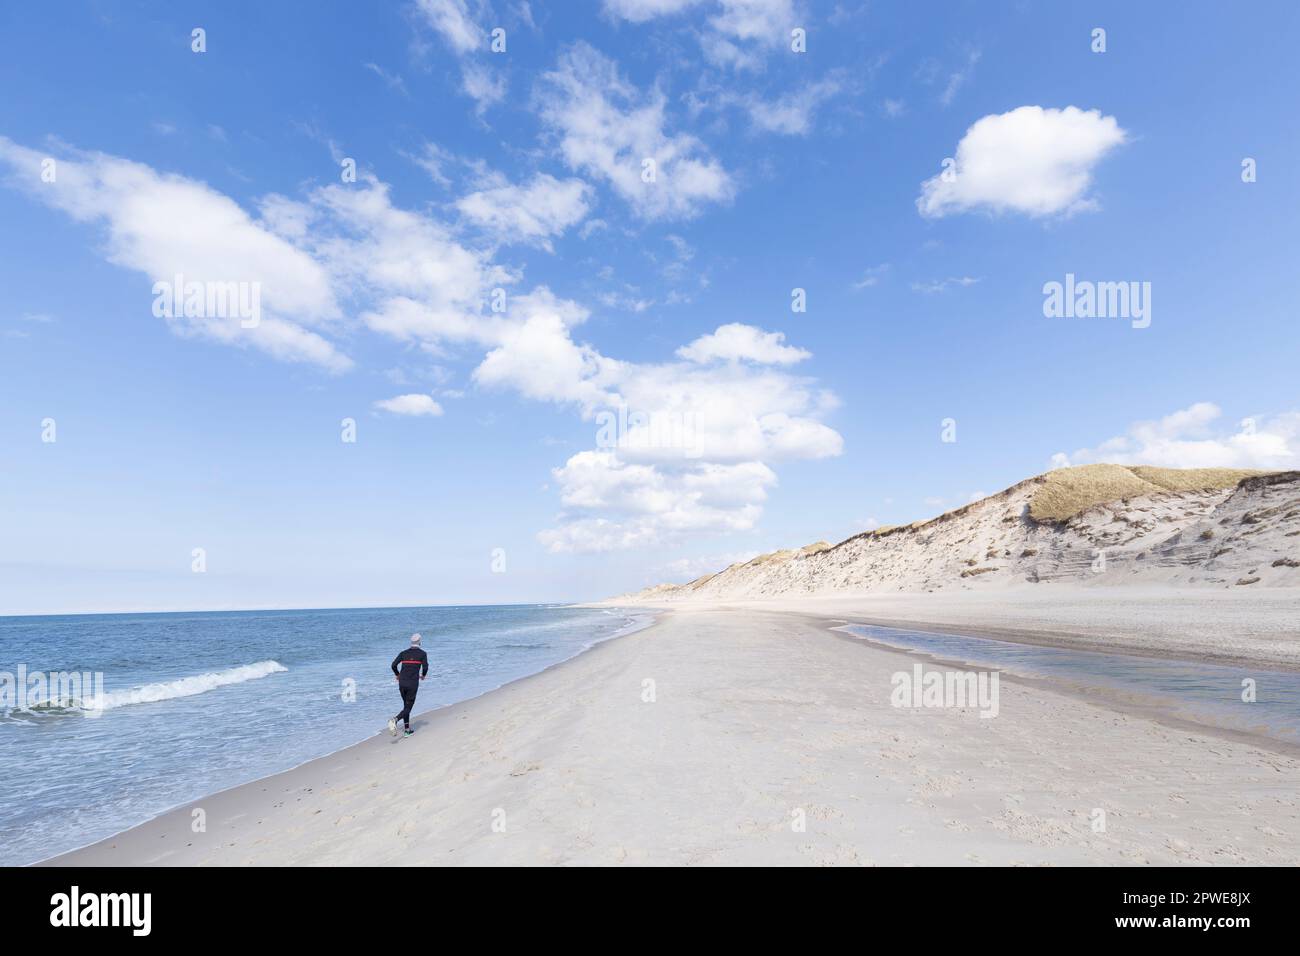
(493, 301)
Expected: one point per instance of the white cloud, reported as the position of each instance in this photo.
(791, 114)
(452, 20)
(485, 85)
(958, 78)
(639, 11)
(1030, 160)
(932, 286)
(537, 358)
(707, 472)
(765, 21)
(737, 33)
(139, 209)
(346, 250)
(743, 30)
(434, 160)
(871, 277)
(654, 504)
(608, 129)
(392, 80)
(1191, 438)
(461, 31)
(735, 342)
(531, 213)
(414, 404)
(405, 274)
(625, 303)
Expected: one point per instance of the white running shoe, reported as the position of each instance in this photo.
(392, 726)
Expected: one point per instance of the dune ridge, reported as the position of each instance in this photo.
(1092, 525)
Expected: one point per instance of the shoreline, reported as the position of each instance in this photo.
(472, 737)
(654, 616)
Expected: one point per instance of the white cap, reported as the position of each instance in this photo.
(415, 638)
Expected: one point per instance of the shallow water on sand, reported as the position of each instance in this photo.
(1209, 694)
(195, 703)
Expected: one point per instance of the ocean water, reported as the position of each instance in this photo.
(1208, 694)
(193, 703)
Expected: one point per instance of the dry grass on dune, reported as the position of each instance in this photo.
(1194, 479)
(1067, 492)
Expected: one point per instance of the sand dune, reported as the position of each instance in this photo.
(1094, 526)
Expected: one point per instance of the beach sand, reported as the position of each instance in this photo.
(1229, 627)
(760, 719)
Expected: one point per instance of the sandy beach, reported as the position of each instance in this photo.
(1245, 628)
(756, 735)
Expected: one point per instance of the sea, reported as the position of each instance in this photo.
(176, 706)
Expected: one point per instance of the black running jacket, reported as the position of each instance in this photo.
(410, 665)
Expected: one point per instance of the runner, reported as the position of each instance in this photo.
(409, 668)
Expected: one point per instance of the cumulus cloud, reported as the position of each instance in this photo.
(682, 447)
(735, 342)
(708, 471)
(607, 128)
(530, 213)
(344, 258)
(654, 505)
(339, 249)
(1194, 438)
(138, 209)
(414, 404)
(1030, 160)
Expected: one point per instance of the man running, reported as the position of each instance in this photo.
(409, 668)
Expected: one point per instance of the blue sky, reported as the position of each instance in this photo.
(523, 171)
